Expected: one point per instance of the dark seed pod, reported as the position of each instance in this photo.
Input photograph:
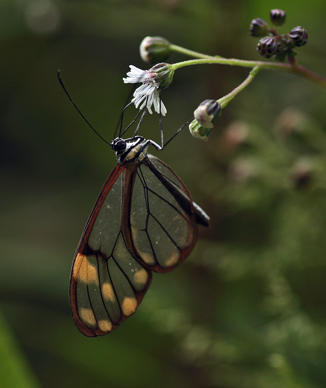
(299, 35)
(258, 27)
(278, 17)
(267, 47)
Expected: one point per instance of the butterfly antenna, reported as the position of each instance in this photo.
(120, 121)
(65, 90)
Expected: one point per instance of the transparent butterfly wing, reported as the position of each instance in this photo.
(107, 282)
(143, 221)
(162, 220)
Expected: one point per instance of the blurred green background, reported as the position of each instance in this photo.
(248, 307)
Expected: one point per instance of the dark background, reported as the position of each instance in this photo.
(247, 309)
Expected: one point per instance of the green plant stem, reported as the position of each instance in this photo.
(291, 67)
(191, 53)
(229, 97)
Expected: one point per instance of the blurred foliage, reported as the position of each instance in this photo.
(247, 309)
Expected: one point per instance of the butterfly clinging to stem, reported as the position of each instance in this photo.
(143, 221)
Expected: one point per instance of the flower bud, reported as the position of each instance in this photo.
(258, 27)
(207, 113)
(284, 47)
(163, 74)
(278, 17)
(267, 47)
(299, 35)
(199, 131)
(154, 49)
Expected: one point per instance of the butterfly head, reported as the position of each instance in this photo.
(130, 150)
(118, 145)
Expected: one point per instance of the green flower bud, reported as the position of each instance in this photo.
(258, 27)
(163, 74)
(154, 49)
(299, 35)
(277, 17)
(199, 131)
(267, 47)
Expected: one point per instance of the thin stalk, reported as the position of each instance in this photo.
(229, 97)
(190, 53)
(292, 67)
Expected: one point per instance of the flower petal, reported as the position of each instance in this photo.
(147, 94)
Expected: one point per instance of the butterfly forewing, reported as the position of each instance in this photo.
(163, 232)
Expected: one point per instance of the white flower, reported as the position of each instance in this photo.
(147, 94)
(135, 75)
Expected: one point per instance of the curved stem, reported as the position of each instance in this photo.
(308, 75)
(291, 67)
(191, 53)
(229, 97)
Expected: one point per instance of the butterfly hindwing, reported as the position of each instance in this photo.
(107, 282)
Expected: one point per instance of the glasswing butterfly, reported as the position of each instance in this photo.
(143, 221)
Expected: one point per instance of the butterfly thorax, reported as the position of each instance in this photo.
(130, 150)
